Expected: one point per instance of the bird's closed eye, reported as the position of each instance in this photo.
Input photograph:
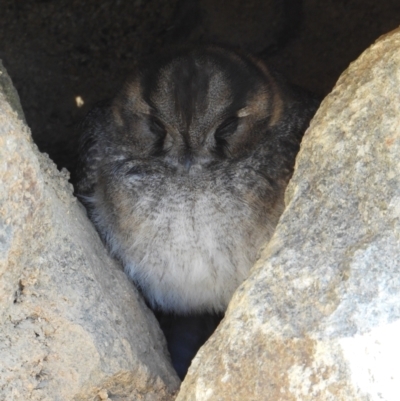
(222, 133)
(157, 127)
(227, 128)
(159, 131)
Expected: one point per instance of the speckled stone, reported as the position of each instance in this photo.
(72, 327)
(319, 317)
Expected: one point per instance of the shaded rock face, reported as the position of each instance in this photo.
(319, 317)
(72, 327)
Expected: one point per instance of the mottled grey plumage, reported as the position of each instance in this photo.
(184, 172)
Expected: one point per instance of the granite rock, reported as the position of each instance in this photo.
(319, 316)
(72, 327)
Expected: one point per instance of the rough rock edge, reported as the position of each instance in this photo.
(45, 182)
(243, 308)
(7, 88)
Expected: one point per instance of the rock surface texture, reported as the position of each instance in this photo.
(72, 327)
(319, 317)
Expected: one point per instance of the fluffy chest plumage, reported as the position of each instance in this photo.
(187, 243)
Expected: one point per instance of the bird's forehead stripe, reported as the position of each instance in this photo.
(201, 95)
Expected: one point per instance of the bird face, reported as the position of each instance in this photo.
(198, 108)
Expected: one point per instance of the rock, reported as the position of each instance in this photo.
(72, 327)
(8, 90)
(319, 316)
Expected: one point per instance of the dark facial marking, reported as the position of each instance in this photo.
(227, 128)
(222, 133)
(159, 131)
(191, 84)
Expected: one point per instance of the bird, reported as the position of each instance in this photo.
(183, 174)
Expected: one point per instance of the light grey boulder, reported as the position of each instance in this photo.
(319, 316)
(72, 327)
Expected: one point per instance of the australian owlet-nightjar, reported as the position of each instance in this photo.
(183, 174)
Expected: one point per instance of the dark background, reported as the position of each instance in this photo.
(56, 50)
